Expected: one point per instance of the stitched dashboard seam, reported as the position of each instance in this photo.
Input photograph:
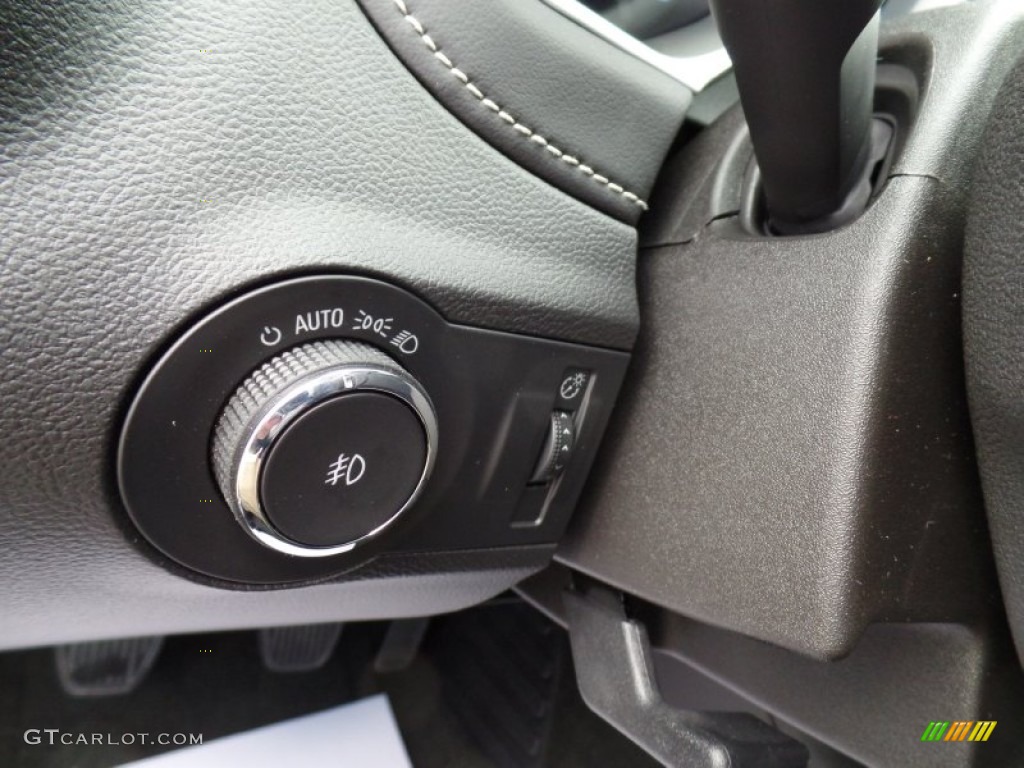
(522, 130)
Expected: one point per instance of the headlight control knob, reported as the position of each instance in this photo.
(324, 447)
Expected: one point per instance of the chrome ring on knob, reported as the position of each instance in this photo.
(292, 403)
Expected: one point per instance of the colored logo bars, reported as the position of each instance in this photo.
(959, 730)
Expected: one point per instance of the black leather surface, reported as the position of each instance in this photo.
(994, 335)
(587, 98)
(144, 178)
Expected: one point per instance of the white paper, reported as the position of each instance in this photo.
(363, 734)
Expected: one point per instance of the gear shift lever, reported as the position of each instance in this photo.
(806, 75)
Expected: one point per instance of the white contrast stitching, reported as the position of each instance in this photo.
(493, 106)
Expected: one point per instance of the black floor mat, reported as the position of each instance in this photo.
(492, 688)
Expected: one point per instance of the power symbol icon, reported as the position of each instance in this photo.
(270, 336)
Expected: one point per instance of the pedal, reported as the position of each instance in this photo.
(298, 649)
(400, 646)
(106, 667)
(500, 667)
